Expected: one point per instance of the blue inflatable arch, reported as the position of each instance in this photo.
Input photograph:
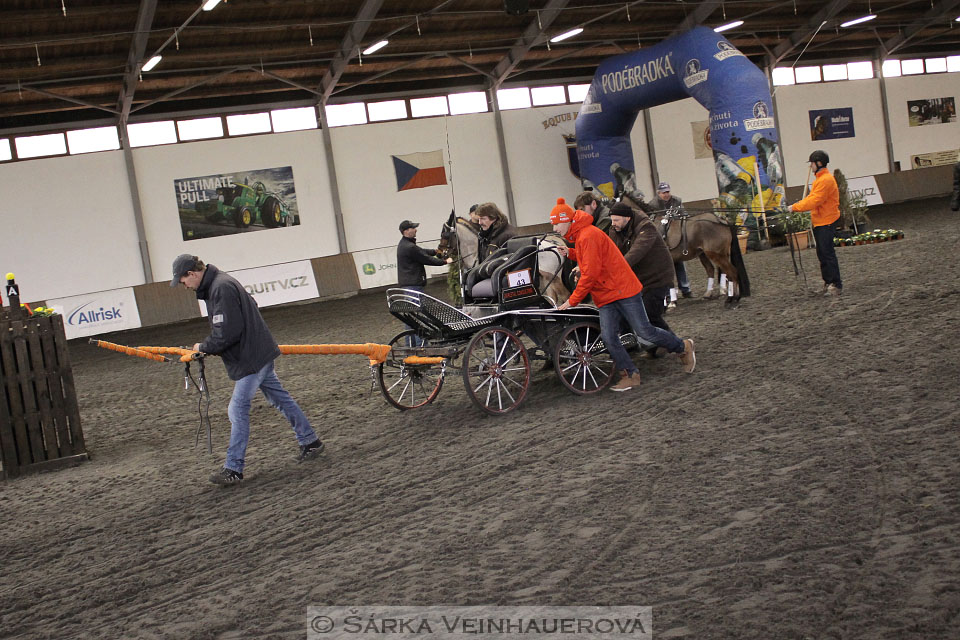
(700, 64)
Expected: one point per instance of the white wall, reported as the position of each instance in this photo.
(158, 167)
(68, 226)
(372, 206)
(689, 178)
(909, 140)
(863, 155)
(537, 156)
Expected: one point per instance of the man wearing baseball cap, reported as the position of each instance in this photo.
(410, 265)
(606, 276)
(241, 338)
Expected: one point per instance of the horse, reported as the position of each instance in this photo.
(710, 238)
(459, 237)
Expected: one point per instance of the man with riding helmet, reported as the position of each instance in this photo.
(823, 203)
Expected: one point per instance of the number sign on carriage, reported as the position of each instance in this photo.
(517, 278)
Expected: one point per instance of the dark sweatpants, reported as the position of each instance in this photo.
(827, 255)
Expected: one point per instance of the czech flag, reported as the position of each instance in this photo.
(418, 170)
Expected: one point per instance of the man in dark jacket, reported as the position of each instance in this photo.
(589, 201)
(411, 258)
(643, 248)
(659, 205)
(241, 338)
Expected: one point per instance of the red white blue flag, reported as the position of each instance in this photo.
(416, 170)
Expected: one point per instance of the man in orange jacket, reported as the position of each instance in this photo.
(823, 203)
(606, 275)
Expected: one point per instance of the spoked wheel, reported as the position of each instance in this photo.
(581, 360)
(408, 386)
(496, 370)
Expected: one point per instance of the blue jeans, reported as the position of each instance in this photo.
(683, 282)
(244, 389)
(631, 309)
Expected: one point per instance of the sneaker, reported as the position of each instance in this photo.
(825, 289)
(310, 450)
(834, 290)
(226, 477)
(627, 382)
(688, 358)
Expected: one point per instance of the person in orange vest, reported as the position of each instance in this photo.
(607, 277)
(823, 203)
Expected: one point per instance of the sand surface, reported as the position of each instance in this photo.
(802, 483)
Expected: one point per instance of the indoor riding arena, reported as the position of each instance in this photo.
(801, 483)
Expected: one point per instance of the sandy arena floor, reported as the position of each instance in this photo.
(803, 483)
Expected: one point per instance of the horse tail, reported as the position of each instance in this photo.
(736, 259)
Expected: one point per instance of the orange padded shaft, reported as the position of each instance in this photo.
(186, 355)
(130, 351)
(423, 360)
(377, 353)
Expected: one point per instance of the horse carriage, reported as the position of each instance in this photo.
(512, 323)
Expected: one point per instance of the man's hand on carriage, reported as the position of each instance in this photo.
(564, 306)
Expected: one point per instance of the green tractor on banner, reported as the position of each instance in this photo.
(242, 204)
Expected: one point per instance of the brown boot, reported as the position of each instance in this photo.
(627, 381)
(688, 358)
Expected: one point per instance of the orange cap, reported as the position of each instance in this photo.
(561, 213)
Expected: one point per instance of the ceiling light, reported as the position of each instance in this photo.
(151, 63)
(728, 26)
(567, 34)
(375, 47)
(850, 23)
(210, 4)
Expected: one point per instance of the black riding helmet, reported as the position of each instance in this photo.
(820, 157)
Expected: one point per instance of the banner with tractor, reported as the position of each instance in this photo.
(228, 203)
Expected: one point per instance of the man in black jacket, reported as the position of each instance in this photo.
(411, 258)
(241, 338)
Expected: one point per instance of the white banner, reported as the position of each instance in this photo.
(276, 284)
(378, 267)
(865, 187)
(95, 313)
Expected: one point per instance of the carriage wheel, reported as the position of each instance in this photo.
(582, 361)
(408, 386)
(496, 370)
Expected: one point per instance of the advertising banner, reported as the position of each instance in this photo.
(831, 124)
(931, 111)
(228, 203)
(378, 267)
(276, 284)
(701, 139)
(934, 159)
(865, 187)
(95, 313)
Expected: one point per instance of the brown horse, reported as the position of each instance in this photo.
(708, 237)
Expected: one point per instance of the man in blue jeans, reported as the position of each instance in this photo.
(241, 338)
(607, 277)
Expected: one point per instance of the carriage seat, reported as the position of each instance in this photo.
(489, 277)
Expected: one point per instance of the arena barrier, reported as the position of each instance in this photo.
(39, 417)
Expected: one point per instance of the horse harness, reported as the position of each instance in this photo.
(668, 218)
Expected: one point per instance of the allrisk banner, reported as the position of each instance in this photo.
(95, 313)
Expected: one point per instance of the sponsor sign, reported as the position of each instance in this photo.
(761, 118)
(931, 111)
(830, 124)
(702, 147)
(378, 267)
(276, 284)
(726, 50)
(228, 203)
(693, 74)
(866, 188)
(933, 159)
(95, 313)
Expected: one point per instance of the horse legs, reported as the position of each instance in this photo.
(723, 263)
(711, 294)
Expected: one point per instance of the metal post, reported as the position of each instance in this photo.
(878, 69)
(504, 164)
(332, 177)
(651, 150)
(135, 201)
